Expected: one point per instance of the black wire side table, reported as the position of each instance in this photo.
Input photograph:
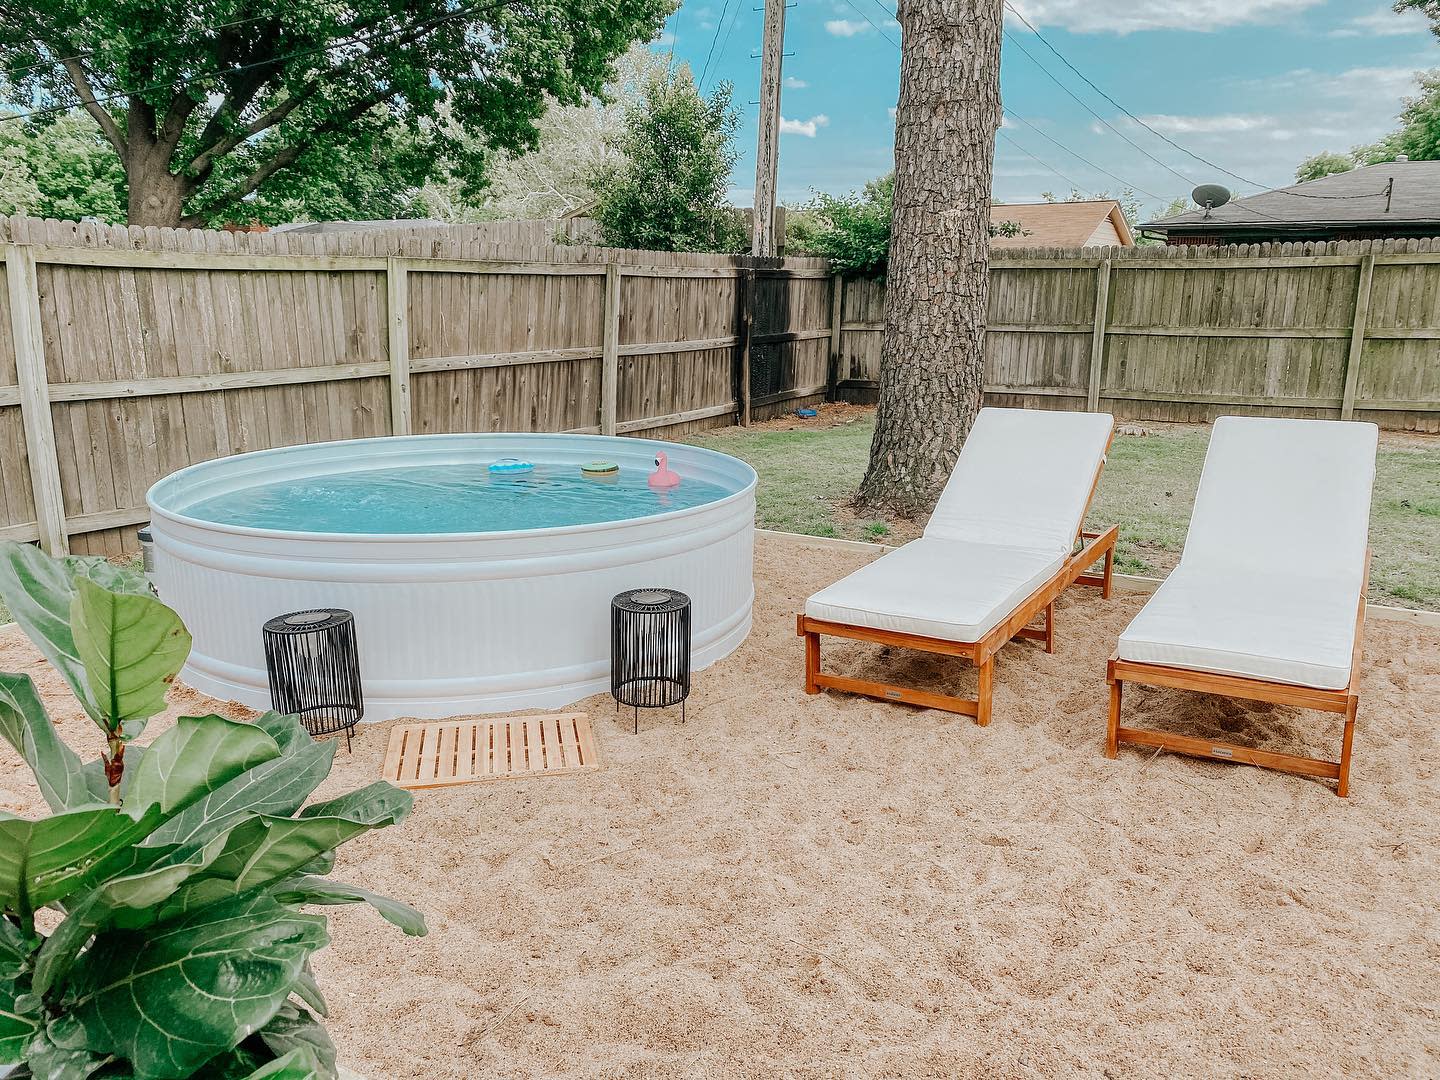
(314, 668)
(650, 650)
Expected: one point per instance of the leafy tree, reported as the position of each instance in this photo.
(1418, 136)
(1326, 163)
(176, 944)
(576, 142)
(61, 168)
(665, 188)
(209, 104)
(853, 231)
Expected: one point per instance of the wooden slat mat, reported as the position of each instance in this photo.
(492, 748)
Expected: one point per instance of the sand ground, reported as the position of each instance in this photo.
(829, 886)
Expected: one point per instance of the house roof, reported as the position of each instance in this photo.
(1363, 197)
(1059, 224)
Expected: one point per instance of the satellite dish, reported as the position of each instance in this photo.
(1210, 196)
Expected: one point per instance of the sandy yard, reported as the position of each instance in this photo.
(831, 886)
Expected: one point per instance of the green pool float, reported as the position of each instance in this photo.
(599, 469)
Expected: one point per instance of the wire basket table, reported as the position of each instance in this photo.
(650, 650)
(314, 668)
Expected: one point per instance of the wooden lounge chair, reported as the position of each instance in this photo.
(1268, 602)
(1003, 543)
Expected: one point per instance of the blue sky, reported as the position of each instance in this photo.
(1253, 86)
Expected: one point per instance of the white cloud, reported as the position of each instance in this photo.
(846, 27)
(1206, 125)
(1383, 22)
(1128, 16)
(808, 128)
(891, 111)
(665, 40)
(793, 83)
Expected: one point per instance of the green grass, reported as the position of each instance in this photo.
(807, 477)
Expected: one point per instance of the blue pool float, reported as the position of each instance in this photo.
(509, 466)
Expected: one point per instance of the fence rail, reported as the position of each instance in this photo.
(128, 353)
(1330, 330)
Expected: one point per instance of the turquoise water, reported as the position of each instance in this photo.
(450, 498)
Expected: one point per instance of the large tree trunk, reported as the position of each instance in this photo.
(932, 363)
(156, 195)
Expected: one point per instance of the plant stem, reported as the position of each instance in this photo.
(115, 766)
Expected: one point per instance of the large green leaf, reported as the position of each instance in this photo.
(278, 786)
(296, 1065)
(62, 777)
(130, 902)
(46, 860)
(18, 1024)
(292, 1029)
(49, 1061)
(262, 850)
(38, 590)
(380, 803)
(132, 647)
(170, 998)
(318, 890)
(196, 757)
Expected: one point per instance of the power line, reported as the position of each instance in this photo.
(1046, 71)
(1159, 134)
(99, 99)
(725, 45)
(1080, 157)
(873, 25)
(714, 39)
(1073, 185)
(1015, 116)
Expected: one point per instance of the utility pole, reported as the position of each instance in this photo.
(767, 146)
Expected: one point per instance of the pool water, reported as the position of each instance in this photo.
(458, 498)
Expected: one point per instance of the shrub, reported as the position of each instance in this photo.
(178, 871)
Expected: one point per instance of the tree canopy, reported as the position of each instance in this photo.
(213, 103)
(665, 187)
(62, 169)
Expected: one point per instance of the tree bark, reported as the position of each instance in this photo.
(932, 362)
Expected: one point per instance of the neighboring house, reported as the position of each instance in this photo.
(1094, 223)
(1394, 199)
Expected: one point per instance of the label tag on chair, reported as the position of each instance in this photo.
(1222, 751)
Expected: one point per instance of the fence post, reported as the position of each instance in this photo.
(745, 282)
(837, 313)
(1358, 326)
(1097, 339)
(23, 287)
(610, 351)
(397, 307)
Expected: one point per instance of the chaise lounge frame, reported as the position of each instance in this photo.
(1345, 702)
(981, 653)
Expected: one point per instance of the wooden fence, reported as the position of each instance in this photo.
(127, 353)
(1338, 330)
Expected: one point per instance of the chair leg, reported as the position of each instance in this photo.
(1112, 731)
(986, 681)
(1343, 790)
(1050, 627)
(812, 663)
(1109, 573)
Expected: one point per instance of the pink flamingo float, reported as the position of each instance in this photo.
(663, 478)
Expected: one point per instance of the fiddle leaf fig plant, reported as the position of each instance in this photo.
(176, 876)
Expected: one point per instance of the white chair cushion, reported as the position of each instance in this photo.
(948, 589)
(1023, 479)
(1269, 584)
(1278, 628)
(1284, 496)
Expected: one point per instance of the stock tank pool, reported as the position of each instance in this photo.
(478, 584)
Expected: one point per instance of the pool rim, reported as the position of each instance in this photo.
(161, 511)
